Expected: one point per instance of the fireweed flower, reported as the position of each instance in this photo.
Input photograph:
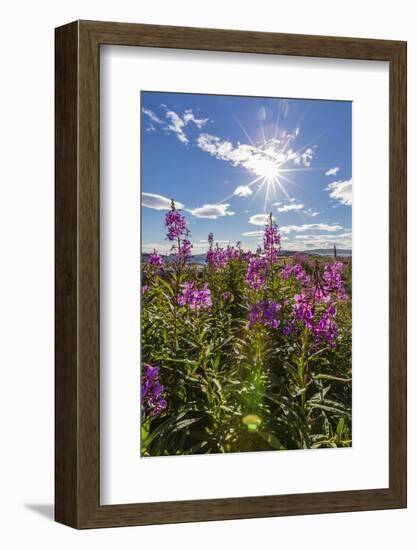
(210, 239)
(233, 252)
(155, 260)
(326, 328)
(296, 271)
(217, 258)
(303, 310)
(256, 272)
(184, 249)
(145, 289)
(175, 223)
(272, 240)
(194, 298)
(152, 391)
(264, 313)
(333, 279)
(177, 231)
(288, 328)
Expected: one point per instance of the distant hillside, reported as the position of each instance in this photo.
(329, 252)
(201, 258)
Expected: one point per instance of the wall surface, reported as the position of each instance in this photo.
(26, 274)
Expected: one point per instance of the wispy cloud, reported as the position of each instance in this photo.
(332, 171)
(252, 234)
(204, 241)
(152, 115)
(158, 202)
(190, 117)
(341, 191)
(211, 211)
(304, 158)
(310, 227)
(289, 207)
(242, 191)
(175, 123)
(310, 212)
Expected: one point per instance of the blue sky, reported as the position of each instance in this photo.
(230, 160)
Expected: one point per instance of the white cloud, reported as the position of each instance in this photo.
(152, 115)
(332, 171)
(307, 156)
(189, 116)
(158, 202)
(288, 207)
(176, 125)
(211, 211)
(253, 234)
(205, 241)
(260, 160)
(310, 227)
(305, 242)
(310, 212)
(242, 191)
(161, 248)
(347, 235)
(341, 191)
(259, 219)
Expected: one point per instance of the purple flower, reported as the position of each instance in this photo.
(152, 391)
(155, 260)
(320, 295)
(288, 328)
(326, 328)
(303, 310)
(333, 279)
(264, 313)
(184, 250)
(272, 240)
(233, 252)
(210, 238)
(145, 288)
(297, 271)
(256, 272)
(217, 258)
(195, 298)
(175, 223)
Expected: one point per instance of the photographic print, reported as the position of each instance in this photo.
(246, 259)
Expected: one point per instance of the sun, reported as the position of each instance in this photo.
(270, 160)
(266, 168)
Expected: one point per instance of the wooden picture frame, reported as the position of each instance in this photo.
(77, 383)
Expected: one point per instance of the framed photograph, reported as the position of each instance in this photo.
(230, 274)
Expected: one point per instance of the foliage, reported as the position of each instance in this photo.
(249, 352)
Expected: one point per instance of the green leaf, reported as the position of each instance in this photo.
(340, 426)
(330, 377)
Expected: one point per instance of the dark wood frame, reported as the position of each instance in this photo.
(77, 373)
